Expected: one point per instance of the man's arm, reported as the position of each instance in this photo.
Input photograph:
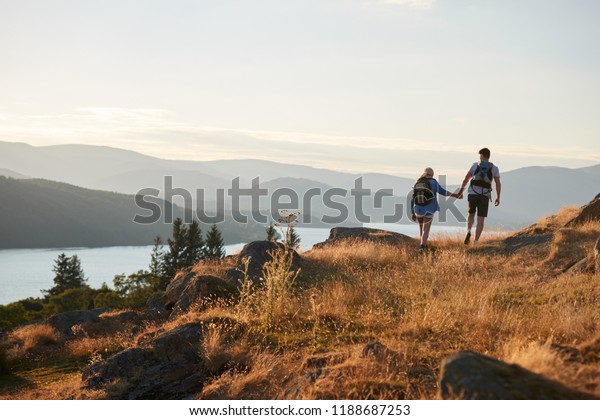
(468, 176)
(498, 189)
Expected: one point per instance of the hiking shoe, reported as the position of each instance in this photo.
(423, 248)
(468, 238)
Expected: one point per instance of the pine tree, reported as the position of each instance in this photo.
(68, 275)
(157, 257)
(271, 233)
(157, 265)
(173, 258)
(214, 243)
(194, 245)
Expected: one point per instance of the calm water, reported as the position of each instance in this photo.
(24, 272)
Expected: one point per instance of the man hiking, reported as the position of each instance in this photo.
(479, 195)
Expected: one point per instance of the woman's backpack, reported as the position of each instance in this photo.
(422, 192)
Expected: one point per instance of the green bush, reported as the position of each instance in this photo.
(70, 300)
(12, 315)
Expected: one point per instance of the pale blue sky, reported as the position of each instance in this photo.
(356, 85)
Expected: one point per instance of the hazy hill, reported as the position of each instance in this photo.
(528, 193)
(37, 213)
(11, 174)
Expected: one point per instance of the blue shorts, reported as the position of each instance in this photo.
(423, 211)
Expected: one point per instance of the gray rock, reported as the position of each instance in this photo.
(589, 212)
(200, 290)
(189, 288)
(469, 375)
(65, 322)
(342, 234)
(169, 367)
(259, 253)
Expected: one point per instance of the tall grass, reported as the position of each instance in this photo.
(302, 334)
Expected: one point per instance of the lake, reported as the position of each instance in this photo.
(25, 272)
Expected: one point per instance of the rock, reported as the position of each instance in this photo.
(169, 367)
(65, 322)
(259, 253)
(589, 212)
(579, 267)
(468, 375)
(384, 237)
(597, 256)
(186, 289)
(190, 288)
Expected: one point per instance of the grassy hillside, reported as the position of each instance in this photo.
(36, 213)
(305, 341)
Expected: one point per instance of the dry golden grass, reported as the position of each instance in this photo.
(33, 337)
(559, 219)
(421, 307)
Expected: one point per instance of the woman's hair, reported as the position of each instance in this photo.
(427, 172)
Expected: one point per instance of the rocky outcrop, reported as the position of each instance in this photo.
(190, 288)
(65, 321)
(169, 367)
(589, 212)
(343, 234)
(258, 253)
(468, 375)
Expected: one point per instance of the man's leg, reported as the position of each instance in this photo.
(479, 228)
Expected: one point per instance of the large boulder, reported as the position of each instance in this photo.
(468, 375)
(169, 367)
(190, 288)
(589, 212)
(258, 253)
(343, 234)
(65, 321)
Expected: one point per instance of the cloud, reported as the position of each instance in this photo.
(161, 133)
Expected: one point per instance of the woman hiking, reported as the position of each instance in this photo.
(424, 203)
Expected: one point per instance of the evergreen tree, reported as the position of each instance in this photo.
(157, 258)
(173, 258)
(68, 275)
(271, 233)
(214, 243)
(194, 245)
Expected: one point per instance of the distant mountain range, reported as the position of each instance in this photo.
(527, 193)
(36, 213)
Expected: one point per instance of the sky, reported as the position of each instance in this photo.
(385, 86)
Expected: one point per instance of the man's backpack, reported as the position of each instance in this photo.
(422, 193)
(483, 176)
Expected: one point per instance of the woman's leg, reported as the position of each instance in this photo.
(427, 221)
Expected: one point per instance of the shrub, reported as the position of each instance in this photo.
(35, 336)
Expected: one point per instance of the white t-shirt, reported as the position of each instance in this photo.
(481, 190)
